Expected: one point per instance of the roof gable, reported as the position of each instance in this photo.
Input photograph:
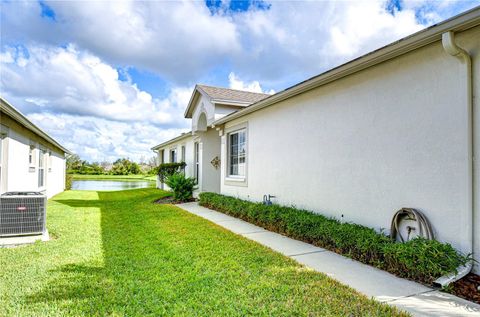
(219, 95)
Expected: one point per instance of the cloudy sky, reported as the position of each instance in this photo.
(112, 79)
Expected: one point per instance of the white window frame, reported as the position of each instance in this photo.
(183, 151)
(32, 156)
(161, 156)
(196, 160)
(50, 159)
(42, 153)
(236, 180)
(3, 158)
(173, 159)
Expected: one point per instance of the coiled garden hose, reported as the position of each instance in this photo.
(424, 227)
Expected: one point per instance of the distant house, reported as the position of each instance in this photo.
(394, 128)
(30, 160)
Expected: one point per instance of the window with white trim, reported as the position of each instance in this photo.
(197, 161)
(183, 153)
(31, 155)
(173, 156)
(41, 168)
(237, 152)
(50, 164)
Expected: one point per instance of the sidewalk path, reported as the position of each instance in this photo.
(413, 297)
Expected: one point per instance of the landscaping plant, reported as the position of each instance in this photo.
(68, 181)
(117, 254)
(181, 186)
(418, 259)
(168, 169)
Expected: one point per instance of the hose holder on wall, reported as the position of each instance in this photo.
(424, 227)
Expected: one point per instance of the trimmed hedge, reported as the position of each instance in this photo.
(419, 259)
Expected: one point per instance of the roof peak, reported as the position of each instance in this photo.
(232, 89)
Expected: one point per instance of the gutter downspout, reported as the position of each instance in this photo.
(449, 45)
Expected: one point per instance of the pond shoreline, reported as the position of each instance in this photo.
(114, 177)
(111, 184)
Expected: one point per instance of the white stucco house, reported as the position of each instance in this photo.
(397, 127)
(30, 160)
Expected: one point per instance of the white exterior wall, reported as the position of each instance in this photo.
(203, 106)
(210, 148)
(21, 176)
(366, 145)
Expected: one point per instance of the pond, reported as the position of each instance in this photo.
(111, 184)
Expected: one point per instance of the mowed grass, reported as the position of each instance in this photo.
(115, 177)
(117, 254)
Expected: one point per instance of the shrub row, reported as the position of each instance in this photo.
(419, 259)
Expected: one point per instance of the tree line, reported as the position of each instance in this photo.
(122, 166)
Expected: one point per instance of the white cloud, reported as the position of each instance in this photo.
(80, 101)
(99, 139)
(183, 41)
(253, 86)
(67, 80)
(175, 39)
(75, 92)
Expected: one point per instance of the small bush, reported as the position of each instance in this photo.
(68, 181)
(419, 259)
(181, 186)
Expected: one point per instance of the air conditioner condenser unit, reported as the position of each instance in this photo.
(22, 213)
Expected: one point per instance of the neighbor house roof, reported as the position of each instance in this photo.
(422, 38)
(176, 139)
(221, 95)
(16, 115)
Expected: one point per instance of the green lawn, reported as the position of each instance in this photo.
(115, 177)
(117, 254)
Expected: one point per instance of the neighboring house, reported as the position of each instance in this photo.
(30, 160)
(393, 128)
(200, 148)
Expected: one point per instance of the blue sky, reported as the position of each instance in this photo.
(112, 79)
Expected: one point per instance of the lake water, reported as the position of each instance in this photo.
(110, 184)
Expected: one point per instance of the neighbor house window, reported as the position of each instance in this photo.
(161, 159)
(31, 155)
(2, 136)
(173, 156)
(183, 153)
(197, 161)
(237, 153)
(3, 157)
(41, 168)
(50, 161)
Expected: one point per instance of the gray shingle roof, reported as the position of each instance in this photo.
(232, 94)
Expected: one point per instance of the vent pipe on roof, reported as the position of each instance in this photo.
(449, 45)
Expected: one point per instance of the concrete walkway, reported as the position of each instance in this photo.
(413, 297)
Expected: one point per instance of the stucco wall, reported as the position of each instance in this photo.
(209, 147)
(210, 141)
(203, 106)
(21, 175)
(364, 146)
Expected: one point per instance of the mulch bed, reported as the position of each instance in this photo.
(468, 288)
(171, 201)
